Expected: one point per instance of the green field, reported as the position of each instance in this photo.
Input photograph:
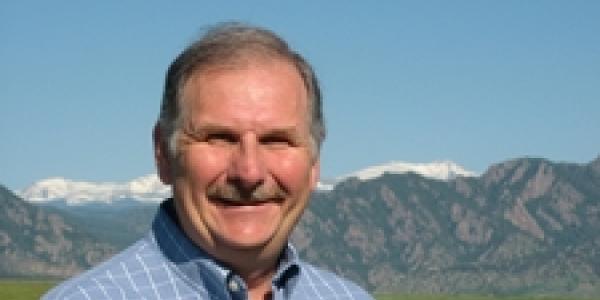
(465, 297)
(13, 289)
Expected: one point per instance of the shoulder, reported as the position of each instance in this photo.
(119, 277)
(318, 283)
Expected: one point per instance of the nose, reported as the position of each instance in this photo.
(247, 169)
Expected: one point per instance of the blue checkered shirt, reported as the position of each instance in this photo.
(167, 265)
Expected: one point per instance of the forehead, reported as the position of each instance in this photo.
(258, 88)
(246, 63)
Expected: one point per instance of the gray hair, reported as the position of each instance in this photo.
(231, 44)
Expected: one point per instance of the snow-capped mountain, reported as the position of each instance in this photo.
(149, 188)
(441, 170)
(145, 189)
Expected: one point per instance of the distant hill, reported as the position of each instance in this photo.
(38, 242)
(527, 225)
(119, 223)
(146, 189)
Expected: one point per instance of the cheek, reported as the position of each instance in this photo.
(292, 170)
(201, 165)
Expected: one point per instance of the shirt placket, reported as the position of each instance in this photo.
(236, 288)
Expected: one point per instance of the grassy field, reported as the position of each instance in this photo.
(13, 289)
(464, 297)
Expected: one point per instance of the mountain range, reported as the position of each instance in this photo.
(143, 189)
(525, 226)
(44, 242)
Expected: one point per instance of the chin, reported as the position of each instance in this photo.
(251, 239)
(250, 244)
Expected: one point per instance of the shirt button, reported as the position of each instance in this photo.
(234, 287)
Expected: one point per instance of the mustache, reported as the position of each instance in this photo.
(234, 193)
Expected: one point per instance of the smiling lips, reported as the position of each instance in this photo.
(245, 202)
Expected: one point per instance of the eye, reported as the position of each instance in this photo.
(277, 141)
(221, 138)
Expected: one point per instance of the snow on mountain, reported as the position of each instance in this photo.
(146, 189)
(326, 185)
(441, 170)
(149, 188)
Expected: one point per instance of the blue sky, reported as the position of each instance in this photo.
(475, 82)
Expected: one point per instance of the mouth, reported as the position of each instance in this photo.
(227, 202)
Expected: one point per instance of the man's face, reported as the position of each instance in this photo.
(244, 166)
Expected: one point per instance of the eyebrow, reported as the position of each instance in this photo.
(200, 130)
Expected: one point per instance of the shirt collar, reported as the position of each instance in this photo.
(197, 266)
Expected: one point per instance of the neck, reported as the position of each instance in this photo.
(259, 285)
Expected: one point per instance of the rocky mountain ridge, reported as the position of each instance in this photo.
(40, 242)
(524, 226)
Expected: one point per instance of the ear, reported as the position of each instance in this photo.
(315, 172)
(161, 156)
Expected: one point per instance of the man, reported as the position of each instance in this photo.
(238, 140)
